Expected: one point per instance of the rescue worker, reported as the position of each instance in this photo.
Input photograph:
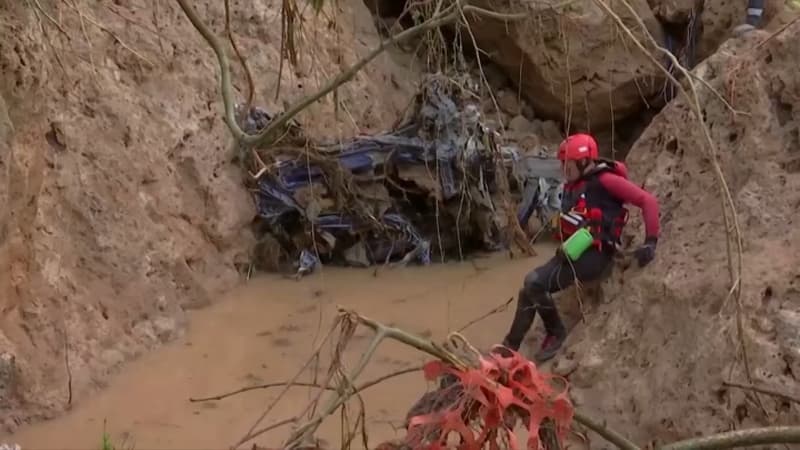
(594, 195)
(755, 12)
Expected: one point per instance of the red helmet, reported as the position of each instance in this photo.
(578, 146)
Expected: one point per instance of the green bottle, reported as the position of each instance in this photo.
(577, 244)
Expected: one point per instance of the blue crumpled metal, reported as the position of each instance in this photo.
(441, 134)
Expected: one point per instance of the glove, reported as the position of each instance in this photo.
(646, 252)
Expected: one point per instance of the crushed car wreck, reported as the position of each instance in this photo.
(388, 198)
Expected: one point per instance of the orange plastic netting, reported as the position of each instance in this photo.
(502, 389)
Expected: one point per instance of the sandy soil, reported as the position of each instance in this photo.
(263, 332)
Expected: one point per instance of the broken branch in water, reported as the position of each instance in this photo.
(250, 433)
(493, 311)
(362, 387)
(304, 432)
(265, 137)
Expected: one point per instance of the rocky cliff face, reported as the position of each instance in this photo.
(120, 207)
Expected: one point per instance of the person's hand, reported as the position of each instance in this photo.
(647, 252)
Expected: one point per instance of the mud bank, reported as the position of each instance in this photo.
(120, 208)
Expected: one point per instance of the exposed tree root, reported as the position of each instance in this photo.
(266, 137)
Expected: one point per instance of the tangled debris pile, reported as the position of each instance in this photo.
(381, 198)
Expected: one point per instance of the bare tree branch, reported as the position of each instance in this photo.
(362, 387)
(448, 15)
(251, 88)
(608, 434)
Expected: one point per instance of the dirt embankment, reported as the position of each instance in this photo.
(120, 209)
(575, 63)
(668, 335)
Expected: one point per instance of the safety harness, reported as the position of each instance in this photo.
(587, 204)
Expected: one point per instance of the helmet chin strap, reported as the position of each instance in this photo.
(582, 164)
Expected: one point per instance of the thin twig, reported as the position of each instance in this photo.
(763, 390)
(381, 332)
(86, 38)
(346, 331)
(264, 137)
(46, 34)
(493, 311)
(278, 424)
(67, 365)
(776, 33)
(250, 433)
(282, 49)
(116, 38)
(251, 87)
(366, 385)
(158, 27)
(740, 438)
(154, 31)
(610, 435)
(51, 19)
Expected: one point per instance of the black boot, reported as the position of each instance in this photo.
(550, 346)
(554, 327)
(523, 319)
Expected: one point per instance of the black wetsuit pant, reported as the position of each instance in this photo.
(555, 275)
(755, 10)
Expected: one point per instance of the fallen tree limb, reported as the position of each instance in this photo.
(447, 16)
(740, 438)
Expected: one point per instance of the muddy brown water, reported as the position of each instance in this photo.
(264, 332)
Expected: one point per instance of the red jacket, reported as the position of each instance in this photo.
(606, 190)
